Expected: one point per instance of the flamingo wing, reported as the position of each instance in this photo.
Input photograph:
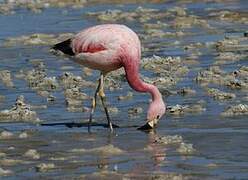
(102, 47)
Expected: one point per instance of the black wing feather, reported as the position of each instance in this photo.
(64, 47)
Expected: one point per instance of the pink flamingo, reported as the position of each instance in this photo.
(107, 48)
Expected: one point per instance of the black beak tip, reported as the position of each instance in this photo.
(145, 127)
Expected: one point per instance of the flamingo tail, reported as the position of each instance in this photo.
(64, 47)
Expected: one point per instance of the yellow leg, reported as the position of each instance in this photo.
(103, 99)
(93, 105)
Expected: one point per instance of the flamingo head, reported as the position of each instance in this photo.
(155, 111)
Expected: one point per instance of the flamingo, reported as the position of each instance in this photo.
(106, 48)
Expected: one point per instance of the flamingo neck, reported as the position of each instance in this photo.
(133, 78)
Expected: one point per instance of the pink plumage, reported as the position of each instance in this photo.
(109, 47)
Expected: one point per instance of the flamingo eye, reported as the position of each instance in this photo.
(158, 116)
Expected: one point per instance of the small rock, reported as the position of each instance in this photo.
(169, 139)
(4, 172)
(11, 148)
(10, 162)
(23, 135)
(176, 110)
(51, 98)
(179, 11)
(2, 154)
(236, 110)
(135, 111)
(219, 95)
(73, 108)
(32, 153)
(186, 91)
(58, 158)
(75, 94)
(43, 93)
(6, 134)
(228, 57)
(128, 96)
(38, 80)
(67, 67)
(36, 39)
(104, 150)
(5, 77)
(20, 112)
(114, 110)
(170, 70)
(186, 149)
(87, 71)
(44, 167)
(196, 108)
(69, 80)
(184, 22)
(182, 109)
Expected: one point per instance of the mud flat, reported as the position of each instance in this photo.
(19, 112)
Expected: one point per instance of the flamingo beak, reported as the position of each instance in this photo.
(150, 124)
(153, 122)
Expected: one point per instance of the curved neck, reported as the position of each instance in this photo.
(133, 78)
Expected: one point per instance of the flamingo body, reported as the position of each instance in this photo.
(109, 47)
(102, 47)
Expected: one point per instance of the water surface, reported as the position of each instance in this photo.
(220, 143)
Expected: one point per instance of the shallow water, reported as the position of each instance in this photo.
(220, 143)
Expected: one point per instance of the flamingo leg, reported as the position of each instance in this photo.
(103, 99)
(93, 105)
